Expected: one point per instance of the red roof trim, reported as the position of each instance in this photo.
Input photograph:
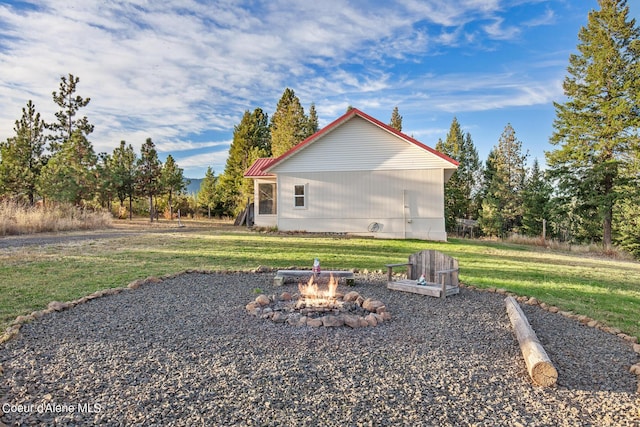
(258, 168)
(262, 166)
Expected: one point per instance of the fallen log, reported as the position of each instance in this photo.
(539, 366)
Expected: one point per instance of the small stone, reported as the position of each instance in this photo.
(285, 296)
(371, 319)
(351, 320)
(501, 291)
(381, 309)
(592, 324)
(544, 306)
(56, 305)
(492, 290)
(332, 321)
(532, 301)
(584, 319)
(262, 269)
(351, 296)
(302, 321)
(314, 323)
(371, 305)
(359, 301)
(135, 284)
(252, 306)
(553, 309)
(363, 322)
(386, 315)
(279, 317)
(152, 279)
(636, 348)
(263, 300)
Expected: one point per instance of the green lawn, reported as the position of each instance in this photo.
(604, 289)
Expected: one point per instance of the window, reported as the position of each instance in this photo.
(267, 199)
(300, 196)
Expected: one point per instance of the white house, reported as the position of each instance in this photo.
(359, 176)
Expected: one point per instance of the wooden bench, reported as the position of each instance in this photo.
(304, 275)
(440, 272)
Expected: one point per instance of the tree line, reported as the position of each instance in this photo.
(56, 162)
(590, 191)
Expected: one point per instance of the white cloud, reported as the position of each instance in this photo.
(177, 69)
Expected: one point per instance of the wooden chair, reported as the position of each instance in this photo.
(440, 272)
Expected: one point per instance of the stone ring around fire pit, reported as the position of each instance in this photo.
(315, 307)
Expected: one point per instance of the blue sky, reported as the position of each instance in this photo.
(184, 71)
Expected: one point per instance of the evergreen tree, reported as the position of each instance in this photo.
(462, 186)
(70, 175)
(69, 105)
(396, 120)
(207, 196)
(502, 205)
(251, 140)
(596, 129)
(536, 201)
(313, 120)
(173, 182)
(123, 170)
(289, 124)
(149, 172)
(21, 157)
(105, 188)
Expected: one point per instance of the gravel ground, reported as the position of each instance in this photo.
(184, 352)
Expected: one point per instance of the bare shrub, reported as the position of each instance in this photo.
(21, 218)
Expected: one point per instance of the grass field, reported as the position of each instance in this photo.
(604, 289)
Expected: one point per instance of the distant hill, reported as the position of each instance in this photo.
(194, 186)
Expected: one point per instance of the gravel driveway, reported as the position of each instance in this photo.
(184, 352)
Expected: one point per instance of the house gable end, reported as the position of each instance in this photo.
(360, 144)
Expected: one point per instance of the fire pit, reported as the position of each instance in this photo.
(316, 306)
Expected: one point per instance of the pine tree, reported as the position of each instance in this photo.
(207, 196)
(69, 105)
(313, 120)
(123, 170)
(70, 175)
(596, 129)
(506, 169)
(396, 120)
(22, 156)
(289, 124)
(149, 171)
(173, 182)
(105, 189)
(536, 201)
(251, 140)
(460, 189)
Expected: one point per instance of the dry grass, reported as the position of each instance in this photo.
(591, 249)
(18, 218)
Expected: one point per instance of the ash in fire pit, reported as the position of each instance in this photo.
(316, 307)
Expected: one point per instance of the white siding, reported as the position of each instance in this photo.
(360, 145)
(258, 219)
(405, 203)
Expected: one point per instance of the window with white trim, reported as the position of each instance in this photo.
(300, 196)
(267, 199)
